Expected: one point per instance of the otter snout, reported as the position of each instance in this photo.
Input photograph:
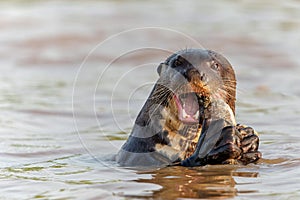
(194, 74)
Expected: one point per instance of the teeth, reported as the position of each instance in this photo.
(196, 116)
(184, 114)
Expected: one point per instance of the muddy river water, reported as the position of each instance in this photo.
(75, 74)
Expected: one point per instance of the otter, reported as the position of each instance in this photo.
(189, 117)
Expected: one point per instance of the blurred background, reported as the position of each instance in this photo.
(74, 75)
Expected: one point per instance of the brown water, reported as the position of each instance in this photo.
(72, 82)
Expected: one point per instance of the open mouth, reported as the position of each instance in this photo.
(188, 107)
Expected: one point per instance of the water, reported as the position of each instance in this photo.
(66, 109)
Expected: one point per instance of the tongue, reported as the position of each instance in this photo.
(190, 104)
(188, 110)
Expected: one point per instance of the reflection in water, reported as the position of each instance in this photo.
(199, 182)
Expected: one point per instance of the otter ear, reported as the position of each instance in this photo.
(161, 68)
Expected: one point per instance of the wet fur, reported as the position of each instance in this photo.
(158, 136)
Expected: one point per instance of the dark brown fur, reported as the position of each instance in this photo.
(159, 137)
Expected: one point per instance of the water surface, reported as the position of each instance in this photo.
(68, 101)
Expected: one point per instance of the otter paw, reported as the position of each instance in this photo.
(249, 144)
(235, 145)
(227, 147)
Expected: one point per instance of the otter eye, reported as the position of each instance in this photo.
(177, 63)
(215, 66)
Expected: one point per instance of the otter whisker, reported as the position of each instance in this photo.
(167, 129)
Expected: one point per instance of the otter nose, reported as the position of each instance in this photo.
(194, 73)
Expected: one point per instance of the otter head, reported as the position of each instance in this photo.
(194, 78)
